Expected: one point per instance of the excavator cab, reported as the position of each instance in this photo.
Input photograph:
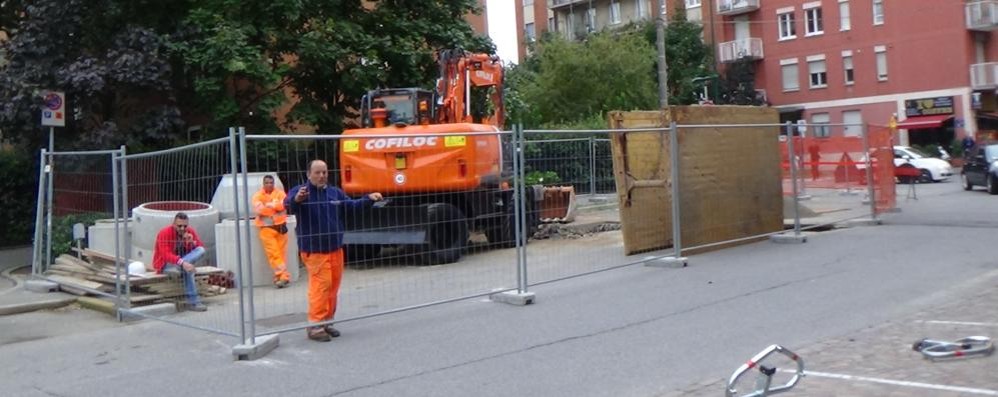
(398, 107)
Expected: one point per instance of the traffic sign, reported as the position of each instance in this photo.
(54, 110)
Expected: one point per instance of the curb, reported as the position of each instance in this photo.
(19, 308)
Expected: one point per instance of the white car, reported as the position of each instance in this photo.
(933, 169)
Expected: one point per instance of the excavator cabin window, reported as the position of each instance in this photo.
(403, 106)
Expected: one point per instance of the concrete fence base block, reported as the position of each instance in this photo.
(670, 262)
(514, 298)
(157, 310)
(41, 286)
(788, 238)
(249, 352)
(804, 197)
(863, 222)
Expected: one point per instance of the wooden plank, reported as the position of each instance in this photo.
(729, 179)
(75, 282)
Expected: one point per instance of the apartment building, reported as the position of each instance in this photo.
(534, 19)
(931, 64)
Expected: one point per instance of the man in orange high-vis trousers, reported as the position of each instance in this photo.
(272, 221)
(318, 208)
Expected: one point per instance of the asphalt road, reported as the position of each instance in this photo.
(634, 331)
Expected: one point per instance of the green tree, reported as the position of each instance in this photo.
(738, 85)
(328, 53)
(686, 55)
(574, 80)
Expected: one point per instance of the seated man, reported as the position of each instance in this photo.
(177, 248)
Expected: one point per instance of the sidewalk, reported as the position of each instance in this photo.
(14, 298)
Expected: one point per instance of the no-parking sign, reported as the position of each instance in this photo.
(54, 110)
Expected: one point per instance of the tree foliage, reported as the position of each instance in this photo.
(686, 55)
(571, 80)
(138, 71)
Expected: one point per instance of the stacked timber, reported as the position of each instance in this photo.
(95, 273)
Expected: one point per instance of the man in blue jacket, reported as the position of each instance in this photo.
(319, 209)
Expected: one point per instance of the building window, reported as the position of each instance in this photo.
(844, 22)
(591, 19)
(819, 125)
(528, 3)
(818, 72)
(640, 5)
(528, 32)
(854, 123)
(787, 29)
(812, 22)
(690, 3)
(614, 11)
(881, 52)
(850, 76)
(878, 12)
(550, 22)
(791, 79)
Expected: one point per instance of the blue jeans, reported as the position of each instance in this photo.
(190, 288)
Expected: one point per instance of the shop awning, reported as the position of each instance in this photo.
(919, 122)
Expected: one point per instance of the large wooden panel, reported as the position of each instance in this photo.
(729, 176)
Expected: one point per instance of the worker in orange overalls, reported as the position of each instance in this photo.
(272, 220)
(318, 208)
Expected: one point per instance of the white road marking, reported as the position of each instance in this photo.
(961, 323)
(957, 389)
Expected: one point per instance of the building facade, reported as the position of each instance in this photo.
(931, 64)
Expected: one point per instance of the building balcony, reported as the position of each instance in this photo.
(732, 51)
(556, 4)
(982, 15)
(984, 76)
(735, 7)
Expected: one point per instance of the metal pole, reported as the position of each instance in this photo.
(239, 251)
(592, 166)
(249, 255)
(519, 209)
(36, 252)
(869, 173)
(793, 176)
(124, 215)
(117, 234)
(48, 198)
(677, 229)
(663, 68)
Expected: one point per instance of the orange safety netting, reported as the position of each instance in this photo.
(839, 162)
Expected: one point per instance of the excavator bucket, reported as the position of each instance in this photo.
(558, 204)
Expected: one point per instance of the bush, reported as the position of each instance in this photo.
(541, 178)
(18, 191)
(62, 230)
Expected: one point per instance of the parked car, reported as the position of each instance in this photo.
(932, 169)
(981, 168)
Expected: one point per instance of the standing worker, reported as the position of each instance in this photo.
(272, 219)
(319, 209)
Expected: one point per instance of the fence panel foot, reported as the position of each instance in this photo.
(249, 352)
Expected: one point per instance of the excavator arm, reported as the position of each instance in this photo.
(460, 74)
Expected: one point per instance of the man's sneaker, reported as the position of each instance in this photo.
(318, 334)
(331, 331)
(195, 307)
(280, 284)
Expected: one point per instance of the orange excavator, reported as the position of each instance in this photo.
(440, 161)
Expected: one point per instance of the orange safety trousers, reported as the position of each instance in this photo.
(275, 245)
(325, 270)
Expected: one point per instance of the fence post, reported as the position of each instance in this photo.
(521, 296)
(116, 211)
(50, 170)
(233, 149)
(869, 174)
(36, 252)
(797, 237)
(123, 167)
(793, 177)
(677, 224)
(592, 165)
(249, 255)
